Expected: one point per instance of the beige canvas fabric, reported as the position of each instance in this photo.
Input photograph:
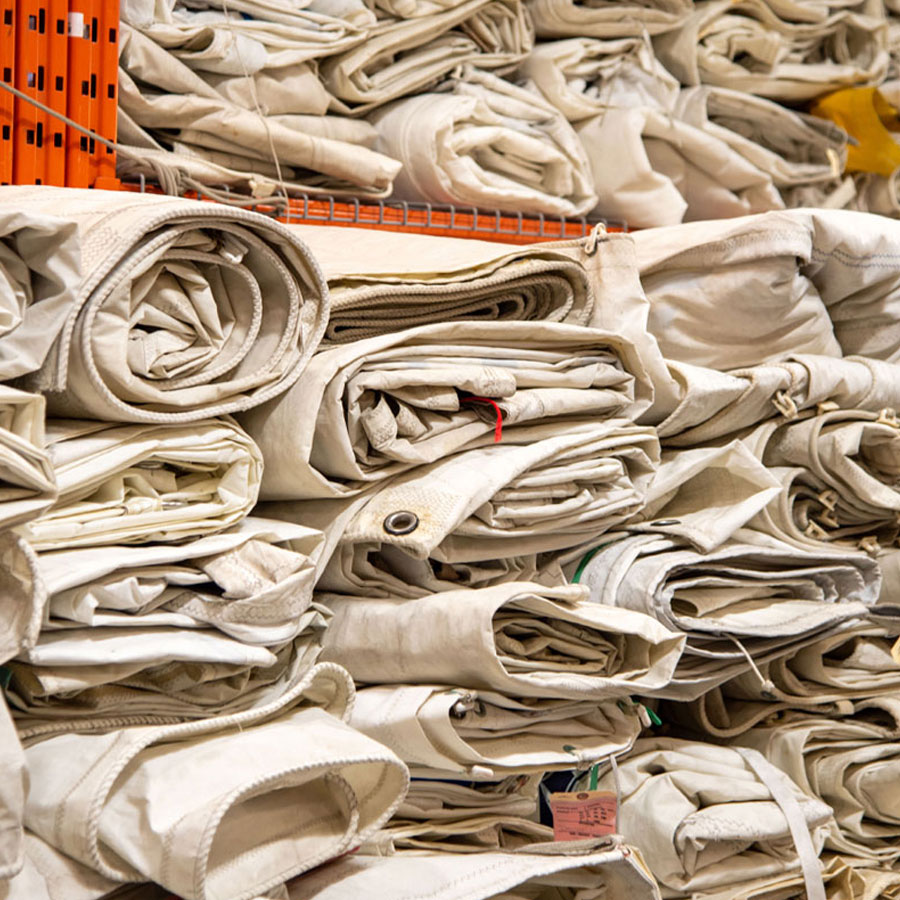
(704, 495)
(394, 281)
(167, 99)
(48, 874)
(13, 788)
(705, 817)
(270, 38)
(791, 148)
(439, 731)
(405, 56)
(788, 52)
(652, 169)
(374, 408)
(822, 677)
(683, 266)
(22, 598)
(135, 635)
(877, 194)
(799, 268)
(840, 476)
(388, 572)
(224, 808)
(566, 18)
(845, 879)
(141, 483)
(455, 817)
(484, 142)
(518, 638)
(605, 868)
(851, 764)
(753, 595)
(252, 582)
(27, 482)
(715, 404)
(548, 491)
(39, 262)
(198, 674)
(582, 76)
(182, 309)
(293, 90)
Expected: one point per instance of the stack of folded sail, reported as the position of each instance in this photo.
(261, 567)
(801, 595)
(451, 464)
(652, 112)
(152, 625)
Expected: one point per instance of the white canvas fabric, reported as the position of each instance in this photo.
(753, 595)
(651, 169)
(548, 491)
(439, 731)
(787, 52)
(182, 309)
(224, 808)
(369, 410)
(39, 264)
(604, 19)
(170, 105)
(822, 677)
(455, 817)
(791, 148)
(395, 281)
(135, 635)
(705, 817)
(851, 764)
(27, 482)
(521, 639)
(405, 56)
(484, 142)
(605, 868)
(582, 77)
(141, 483)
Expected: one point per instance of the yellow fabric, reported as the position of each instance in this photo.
(869, 118)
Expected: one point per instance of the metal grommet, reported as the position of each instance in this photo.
(401, 522)
(662, 523)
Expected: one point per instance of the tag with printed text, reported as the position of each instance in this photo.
(583, 814)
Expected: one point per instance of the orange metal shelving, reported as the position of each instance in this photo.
(63, 54)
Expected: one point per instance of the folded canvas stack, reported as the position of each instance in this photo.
(566, 570)
(652, 112)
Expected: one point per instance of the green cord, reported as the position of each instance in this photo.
(589, 556)
(654, 718)
(592, 784)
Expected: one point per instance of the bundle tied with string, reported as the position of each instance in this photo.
(707, 817)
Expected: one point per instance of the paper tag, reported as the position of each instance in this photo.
(583, 814)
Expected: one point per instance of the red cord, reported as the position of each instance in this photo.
(498, 428)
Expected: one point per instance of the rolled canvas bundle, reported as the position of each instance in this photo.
(179, 310)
